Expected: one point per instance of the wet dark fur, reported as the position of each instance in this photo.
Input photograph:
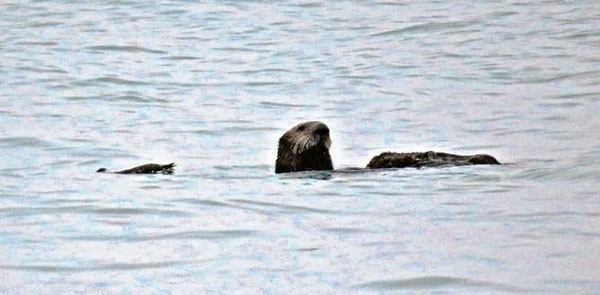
(428, 159)
(145, 169)
(294, 156)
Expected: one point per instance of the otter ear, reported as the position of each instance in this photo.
(301, 128)
(101, 170)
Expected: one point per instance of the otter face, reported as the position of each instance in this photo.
(304, 147)
(309, 135)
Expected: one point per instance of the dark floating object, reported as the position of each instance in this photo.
(428, 159)
(304, 147)
(145, 169)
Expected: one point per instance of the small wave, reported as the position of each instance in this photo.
(546, 172)
(546, 215)
(317, 175)
(286, 208)
(67, 201)
(45, 24)
(420, 28)
(109, 80)
(24, 142)
(307, 249)
(504, 132)
(560, 77)
(309, 5)
(213, 84)
(481, 147)
(357, 77)
(131, 98)
(195, 131)
(88, 268)
(436, 282)
(260, 71)
(33, 43)
(212, 203)
(345, 230)
(42, 70)
(203, 202)
(87, 209)
(184, 235)
(583, 35)
(246, 129)
(240, 49)
(181, 57)
(172, 12)
(238, 167)
(262, 83)
(591, 95)
(132, 49)
(285, 105)
(138, 211)
(501, 14)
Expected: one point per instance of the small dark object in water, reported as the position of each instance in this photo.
(144, 169)
(428, 159)
(304, 147)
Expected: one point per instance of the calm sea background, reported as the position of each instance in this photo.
(212, 85)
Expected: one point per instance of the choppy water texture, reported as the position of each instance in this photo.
(212, 85)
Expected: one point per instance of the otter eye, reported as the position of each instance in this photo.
(301, 128)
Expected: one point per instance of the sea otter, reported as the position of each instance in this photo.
(427, 159)
(304, 147)
(144, 169)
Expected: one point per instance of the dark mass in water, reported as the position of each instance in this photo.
(304, 147)
(144, 169)
(428, 159)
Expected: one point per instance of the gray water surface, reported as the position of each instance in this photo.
(212, 85)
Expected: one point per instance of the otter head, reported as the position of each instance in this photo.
(101, 170)
(304, 147)
(483, 159)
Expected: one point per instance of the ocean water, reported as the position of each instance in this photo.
(212, 85)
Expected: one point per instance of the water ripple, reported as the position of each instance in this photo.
(87, 209)
(181, 57)
(132, 49)
(286, 105)
(211, 203)
(282, 208)
(45, 24)
(437, 282)
(560, 77)
(88, 268)
(34, 43)
(184, 235)
(24, 142)
(421, 28)
(109, 80)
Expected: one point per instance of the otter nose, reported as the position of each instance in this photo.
(322, 129)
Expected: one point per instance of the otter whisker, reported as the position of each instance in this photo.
(299, 146)
(307, 144)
